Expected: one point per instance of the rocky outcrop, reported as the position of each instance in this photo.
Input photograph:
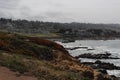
(96, 56)
(43, 58)
(74, 48)
(108, 66)
(102, 65)
(67, 40)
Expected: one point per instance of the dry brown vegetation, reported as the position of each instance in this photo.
(44, 59)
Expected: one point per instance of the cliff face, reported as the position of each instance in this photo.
(44, 59)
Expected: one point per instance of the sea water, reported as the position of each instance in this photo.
(97, 47)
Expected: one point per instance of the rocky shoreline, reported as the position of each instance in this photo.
(44, 59)
(102, 65)
(98, 64)
(97, 56)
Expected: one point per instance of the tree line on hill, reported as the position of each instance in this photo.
(64, 29)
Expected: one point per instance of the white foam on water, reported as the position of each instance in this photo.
(100, 46)
(87, 60)
(114, 72)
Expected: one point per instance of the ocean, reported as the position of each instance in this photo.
(96, 47)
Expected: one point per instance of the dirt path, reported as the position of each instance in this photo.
(6, 74)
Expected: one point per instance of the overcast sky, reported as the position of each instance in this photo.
(92, 11)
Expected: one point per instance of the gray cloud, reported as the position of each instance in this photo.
(95, 11)
(7, 4)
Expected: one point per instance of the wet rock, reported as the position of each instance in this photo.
(102, 65)
(89, 49)
(97, 56)
(74, 48)
(103, 71)
(67, 40)
(105, 65)
(98, 62)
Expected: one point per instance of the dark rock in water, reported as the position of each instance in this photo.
(97, 56)
(102, 65)
(74, 48)
(108, 54)
(98, 62)
(68, 40)
(82, 47)
(103, 71)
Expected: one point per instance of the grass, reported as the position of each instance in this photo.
(44, 59)
(13, 62)
(49, 35)
(40, 68)
(19, 46)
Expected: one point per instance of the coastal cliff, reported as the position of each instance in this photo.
(43, 59)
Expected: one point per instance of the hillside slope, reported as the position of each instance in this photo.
(44, 59)
(58, 30)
